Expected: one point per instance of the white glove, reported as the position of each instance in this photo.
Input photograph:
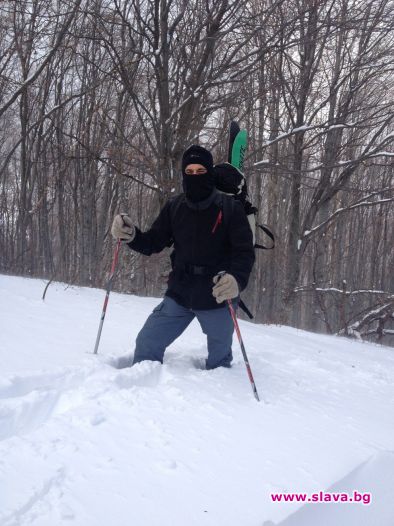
(123, 228)
(226, 288)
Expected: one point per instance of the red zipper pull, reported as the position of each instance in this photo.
(218, 221)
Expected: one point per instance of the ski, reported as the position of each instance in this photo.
(238, 142)
(233, 132)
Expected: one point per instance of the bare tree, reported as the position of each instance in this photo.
(99, 98)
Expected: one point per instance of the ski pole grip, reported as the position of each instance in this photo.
(122, 216)
(221, 274)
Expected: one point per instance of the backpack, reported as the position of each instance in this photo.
(231, 181)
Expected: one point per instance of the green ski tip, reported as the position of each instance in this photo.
(239, 149)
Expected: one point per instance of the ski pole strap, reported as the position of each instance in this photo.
(268, 232)
(242, 306)
(116, 256)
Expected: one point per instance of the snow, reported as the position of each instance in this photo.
(304, 127)
(263, 161)
(88, 441)
(351, 292)
(377, 472)
(386, 154)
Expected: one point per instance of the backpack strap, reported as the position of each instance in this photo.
(175, 206)
(226, 205)
(243, 307)
(268, 232)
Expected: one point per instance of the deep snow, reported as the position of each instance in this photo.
(86, 441)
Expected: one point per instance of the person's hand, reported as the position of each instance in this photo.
(226, 288)
(123, 228)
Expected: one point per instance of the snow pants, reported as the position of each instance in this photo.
(168, 321)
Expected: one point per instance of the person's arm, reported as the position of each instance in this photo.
(241, 240)
(157, 237)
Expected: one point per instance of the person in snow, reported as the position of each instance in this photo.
(205, 243)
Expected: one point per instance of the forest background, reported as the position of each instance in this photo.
(99, 98)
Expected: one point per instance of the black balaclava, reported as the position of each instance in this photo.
(198, 187)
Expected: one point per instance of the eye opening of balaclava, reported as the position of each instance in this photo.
(198, 187)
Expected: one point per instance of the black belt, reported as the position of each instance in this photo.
(195, 270)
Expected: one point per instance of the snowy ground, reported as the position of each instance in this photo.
(86, 441)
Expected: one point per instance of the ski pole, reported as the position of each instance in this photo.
(109, 287)
(241, 343)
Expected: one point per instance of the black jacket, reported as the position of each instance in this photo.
(205, 241)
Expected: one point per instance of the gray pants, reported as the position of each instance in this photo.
(168, 321)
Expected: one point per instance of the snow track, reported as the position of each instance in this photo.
(18, 417)
(27, 402)
(44, 404)
(47, 489)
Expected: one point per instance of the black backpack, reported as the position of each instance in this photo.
(231, 181)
